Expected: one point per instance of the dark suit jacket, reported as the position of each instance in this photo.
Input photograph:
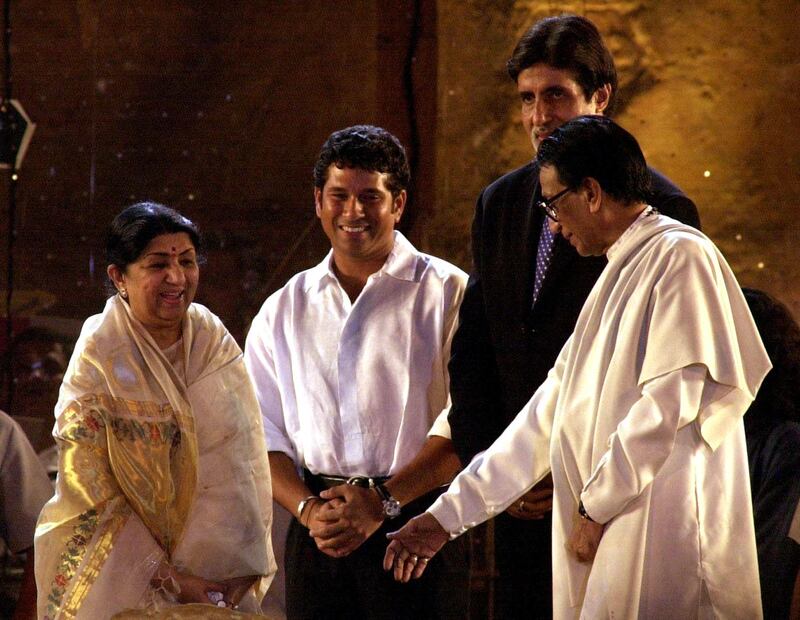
(503, 348)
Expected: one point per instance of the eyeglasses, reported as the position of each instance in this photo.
(549, 205)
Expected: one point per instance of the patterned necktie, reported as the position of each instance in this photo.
(543, 255)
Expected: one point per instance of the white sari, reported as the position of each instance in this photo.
(156, 461)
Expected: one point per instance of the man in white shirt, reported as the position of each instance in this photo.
(640, 419)
(349, 360)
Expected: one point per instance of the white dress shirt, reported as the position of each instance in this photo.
(355, 388)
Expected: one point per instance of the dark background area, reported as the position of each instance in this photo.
(219, 108)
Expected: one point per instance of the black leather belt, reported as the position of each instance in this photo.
(318, 482)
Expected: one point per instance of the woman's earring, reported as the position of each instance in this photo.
(124, 293)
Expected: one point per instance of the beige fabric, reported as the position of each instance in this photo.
(152, 467)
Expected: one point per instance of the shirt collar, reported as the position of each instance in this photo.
(400, 264)
(648, 211)
(402, 260)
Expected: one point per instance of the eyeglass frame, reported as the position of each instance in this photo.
(548, 205)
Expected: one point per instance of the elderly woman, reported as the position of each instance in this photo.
(163, 491)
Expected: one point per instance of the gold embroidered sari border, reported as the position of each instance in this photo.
(64, 602)
(122, 407)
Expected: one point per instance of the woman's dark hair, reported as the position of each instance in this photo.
(779, 396)
(136, 226)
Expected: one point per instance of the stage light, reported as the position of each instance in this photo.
(14, 120)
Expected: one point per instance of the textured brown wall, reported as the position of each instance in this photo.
(707, 86)
(217, 109)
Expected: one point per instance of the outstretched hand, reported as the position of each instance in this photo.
(413, 546)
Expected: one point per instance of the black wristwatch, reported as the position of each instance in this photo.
(391, 507)
(583, 514)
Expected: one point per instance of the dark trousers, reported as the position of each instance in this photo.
(523, 560)
(356, 586)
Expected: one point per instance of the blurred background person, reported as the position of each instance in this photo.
(163, 491)
(38, 359)
(24, 489)
(773, 450)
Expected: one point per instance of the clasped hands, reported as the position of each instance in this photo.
(344, 517)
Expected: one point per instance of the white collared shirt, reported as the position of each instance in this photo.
(355, 388)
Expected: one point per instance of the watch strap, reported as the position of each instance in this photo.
(391, 507)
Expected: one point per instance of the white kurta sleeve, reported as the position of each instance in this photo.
(259, 359)
(440, 426)
(517, 460)
(643, 441)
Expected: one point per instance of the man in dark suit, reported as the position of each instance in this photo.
(526, 289)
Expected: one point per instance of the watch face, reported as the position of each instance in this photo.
(391, 508)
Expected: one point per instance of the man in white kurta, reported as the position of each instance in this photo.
(640, 418)
(349, 360)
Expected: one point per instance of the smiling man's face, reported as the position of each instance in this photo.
(358, 213)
